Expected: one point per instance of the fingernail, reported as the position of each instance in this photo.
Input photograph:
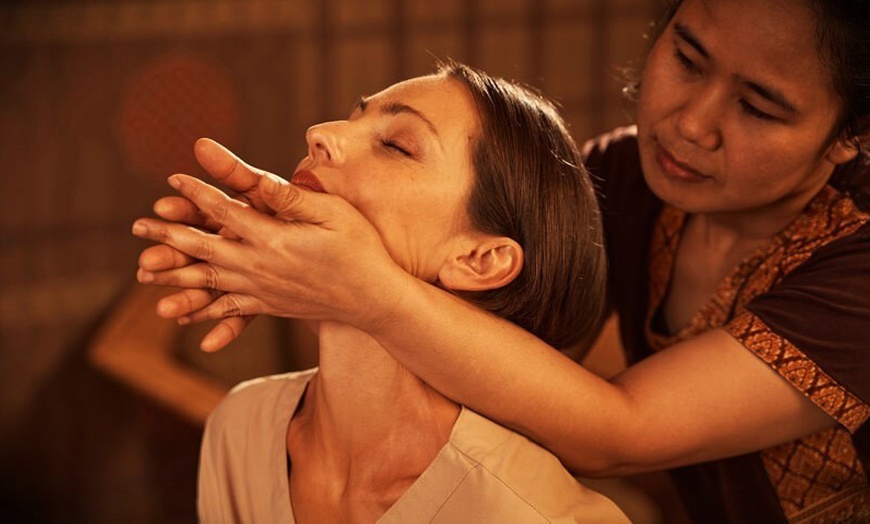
(145, 277)
(139, 229)
(183, 321)
(175, 181)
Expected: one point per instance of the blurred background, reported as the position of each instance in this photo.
(101, 403)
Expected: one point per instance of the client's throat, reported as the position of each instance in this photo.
(367, 428)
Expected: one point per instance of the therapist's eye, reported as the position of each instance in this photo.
(685, 62)
(754, 112)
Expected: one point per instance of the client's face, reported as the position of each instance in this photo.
(403, 159)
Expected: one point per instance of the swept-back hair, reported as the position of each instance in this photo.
(530, 185)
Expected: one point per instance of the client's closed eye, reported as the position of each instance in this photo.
(395, 146)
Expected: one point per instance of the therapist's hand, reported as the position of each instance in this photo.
(316, 258)
(244, 180)
(226, 169)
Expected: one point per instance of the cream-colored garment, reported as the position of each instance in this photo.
(485, 473)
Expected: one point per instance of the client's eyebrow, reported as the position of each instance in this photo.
(397, 108)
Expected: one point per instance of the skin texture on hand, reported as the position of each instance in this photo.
(225, 168)
(264, 264)
(219, 249)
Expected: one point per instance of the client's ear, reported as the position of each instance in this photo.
(487, 263)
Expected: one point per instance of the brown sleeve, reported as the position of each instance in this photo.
(813, 328)
(800, 370)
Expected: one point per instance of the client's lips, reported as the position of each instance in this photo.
(307, 180)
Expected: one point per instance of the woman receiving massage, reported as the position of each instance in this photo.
(474, 185)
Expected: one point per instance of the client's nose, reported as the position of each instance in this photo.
(325, 144)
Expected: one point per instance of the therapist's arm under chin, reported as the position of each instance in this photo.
(699, 400)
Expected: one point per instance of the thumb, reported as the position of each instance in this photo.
(225, 167)
(214, 158)
(289, 202)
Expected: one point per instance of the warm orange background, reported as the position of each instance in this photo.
(101, 99)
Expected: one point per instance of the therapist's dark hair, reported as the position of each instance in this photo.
(531, 186)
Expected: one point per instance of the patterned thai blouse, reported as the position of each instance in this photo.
(801, 304)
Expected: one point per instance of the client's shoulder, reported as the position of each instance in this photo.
(500, 450)
(259, 400)
(530, 477)
(271, 384)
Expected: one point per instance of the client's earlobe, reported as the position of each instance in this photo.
(491, 264)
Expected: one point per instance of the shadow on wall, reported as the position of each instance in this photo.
(113, 435)
(67, 448)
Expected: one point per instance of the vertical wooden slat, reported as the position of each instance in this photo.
(326, 36)
(536, 21)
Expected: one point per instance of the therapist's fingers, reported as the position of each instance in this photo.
(226, 306)
(192, 242)
(228, 169)
(186, 302)
(224, 332)
(162, 257)
(282, 197)
(196, 276)
(238, 217)
(290, 202)
(181, 210)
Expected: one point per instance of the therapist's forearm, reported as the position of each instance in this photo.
(502, 371)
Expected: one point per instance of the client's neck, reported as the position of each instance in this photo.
(371, 424)
(362, 394)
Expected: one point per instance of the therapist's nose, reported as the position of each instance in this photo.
(327, 143)
(700, 118)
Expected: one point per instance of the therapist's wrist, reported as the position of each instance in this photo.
(390, 302)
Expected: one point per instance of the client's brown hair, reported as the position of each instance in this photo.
(530, 185)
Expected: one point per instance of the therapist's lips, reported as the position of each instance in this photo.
(676, 169)
(307, 180)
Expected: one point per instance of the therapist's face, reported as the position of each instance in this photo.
(736, 108)
(403, 159)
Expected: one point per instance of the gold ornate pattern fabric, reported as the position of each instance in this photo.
(819, 478)
(798, 369)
